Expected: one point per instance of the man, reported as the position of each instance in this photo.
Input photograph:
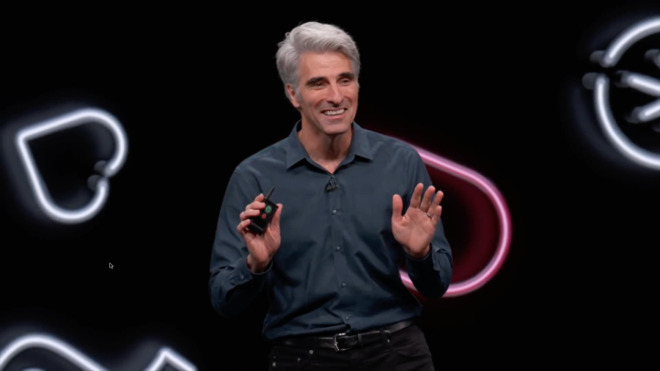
(329, 260)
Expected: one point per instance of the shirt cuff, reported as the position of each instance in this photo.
(416, 264)
(243, 274)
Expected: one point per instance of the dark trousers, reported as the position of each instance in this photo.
(403, 350)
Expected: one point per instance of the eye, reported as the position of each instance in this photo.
(316, 83)
(345, 81)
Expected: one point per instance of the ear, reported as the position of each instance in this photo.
(292, 96)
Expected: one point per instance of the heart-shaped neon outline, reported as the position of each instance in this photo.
(107, 169)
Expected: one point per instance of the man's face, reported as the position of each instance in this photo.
(328, 92)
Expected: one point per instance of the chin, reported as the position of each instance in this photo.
(337, 129)
(337, 126)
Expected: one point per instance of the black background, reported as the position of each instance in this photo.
(494, 88)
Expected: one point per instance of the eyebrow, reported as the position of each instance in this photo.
(344, 75)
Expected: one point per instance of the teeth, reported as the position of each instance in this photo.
(333, 113)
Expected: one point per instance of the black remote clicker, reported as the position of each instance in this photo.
(259, 223)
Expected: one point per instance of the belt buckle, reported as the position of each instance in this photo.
(336, 345)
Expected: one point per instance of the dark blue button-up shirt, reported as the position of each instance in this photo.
(337, 268)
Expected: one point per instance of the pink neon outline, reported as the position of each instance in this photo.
(491, 269)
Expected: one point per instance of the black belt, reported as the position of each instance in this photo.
(343, 341)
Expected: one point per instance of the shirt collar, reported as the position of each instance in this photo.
(360, 146)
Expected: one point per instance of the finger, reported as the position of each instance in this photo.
(435, 213)
(437, 199)
(275, 222)
(249, 213)
(255, 205)
(242, 226)
(428, 199)
(436, 210)
(397, 206)
(252, 210)
(417, 193)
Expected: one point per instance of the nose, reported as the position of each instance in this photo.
(334, 95)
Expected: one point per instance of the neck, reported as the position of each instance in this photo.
(326, 150)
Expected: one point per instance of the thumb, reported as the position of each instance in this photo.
(275, 222)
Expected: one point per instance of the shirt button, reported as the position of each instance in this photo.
(334, 211)
(338, 248)
(343, 284)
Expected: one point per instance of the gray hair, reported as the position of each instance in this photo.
(313, 37)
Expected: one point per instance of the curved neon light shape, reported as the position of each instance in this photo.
(166, 356)
(169, 357)
(619, 46)
(504, 241)
(50, 343)
(612, 131)
(107, 169)
(636, 81)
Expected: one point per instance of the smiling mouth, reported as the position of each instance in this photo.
(335, 112)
